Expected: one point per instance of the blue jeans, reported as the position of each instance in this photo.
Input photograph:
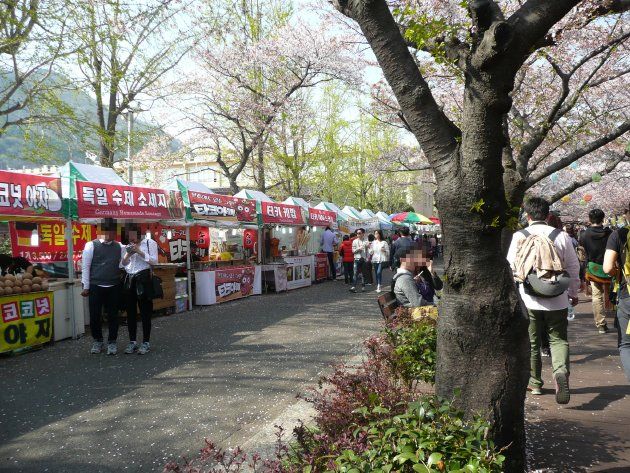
(378, 269)
(623, 319)
(358, 268)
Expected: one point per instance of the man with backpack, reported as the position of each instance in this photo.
(594, 241)
(546, 268)
(617, 263)
(402, 243)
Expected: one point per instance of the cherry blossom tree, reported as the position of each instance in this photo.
(483, 166)
(243, 86)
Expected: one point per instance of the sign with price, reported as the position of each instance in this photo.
(26, 321)
(51, 245)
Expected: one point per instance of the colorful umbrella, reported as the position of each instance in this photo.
(435, 220)
(411, 217)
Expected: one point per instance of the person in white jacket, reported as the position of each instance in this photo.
(360, 247)
(549, 313)
(380, 257)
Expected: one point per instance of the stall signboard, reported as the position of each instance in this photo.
(299, 271)
(27, 195)
(368, 224)
(234, 283)
(282, 214)
(117, 201)
(321, 266)
(51, 245)
(175, 249)
(26, 320)
(221, 208)
(322, 218)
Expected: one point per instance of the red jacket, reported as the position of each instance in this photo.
(346, 249)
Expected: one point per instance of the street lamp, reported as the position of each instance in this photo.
(131, 109)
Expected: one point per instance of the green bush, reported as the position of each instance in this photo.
(414, 352)
(431, 436)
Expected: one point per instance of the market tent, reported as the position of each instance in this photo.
(367, 213)
(253, 195)
(297, 201)
(352, 212)
(341, 215)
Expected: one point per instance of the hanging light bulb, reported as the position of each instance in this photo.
(284, 230)
(169, 234)
(148, 235)
(277, 228)
(35, 238)
(290, 230)
(234, 232)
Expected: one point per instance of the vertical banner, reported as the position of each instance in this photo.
(234, 283)
(321, 266)
(26, 320)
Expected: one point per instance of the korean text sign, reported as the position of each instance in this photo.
(281, 213)
(115, 201)
(234, 283)
(26, 195)
(221, 208)
(26, 320)
(322, 218)
(52, 241)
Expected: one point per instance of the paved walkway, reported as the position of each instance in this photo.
(592, 432)
(222, 372)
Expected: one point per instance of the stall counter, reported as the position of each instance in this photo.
(218, 285)
(65, 291)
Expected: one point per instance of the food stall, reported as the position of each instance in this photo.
(228, 270)
(36, 309)
(321, 219)
(155, 211)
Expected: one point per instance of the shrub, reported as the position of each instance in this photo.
(414, 352)
(430, 436)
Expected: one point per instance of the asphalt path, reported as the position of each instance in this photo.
(221, 372)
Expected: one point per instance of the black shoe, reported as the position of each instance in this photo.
(603, 329)
(545, 351)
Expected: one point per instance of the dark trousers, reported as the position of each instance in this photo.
(367, 273)
(331, 263)
(144, 301)
(348, 271)
(109, 298)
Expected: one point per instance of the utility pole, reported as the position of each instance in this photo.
(129, 129)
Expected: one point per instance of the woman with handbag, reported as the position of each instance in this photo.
(140, 255)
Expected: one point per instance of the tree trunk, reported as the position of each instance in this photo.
(233, 185)
(260, 166)
(107, 148)
(483, 347)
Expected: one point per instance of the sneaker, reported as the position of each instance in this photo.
(603, 329)
(545, 351)
(369, 284)
(97, 347)
(112, 349)
(131, 348)
(562, 388)
(534, 391)
(353, 289)
(144, 348)
(362, 288)
(378, 288)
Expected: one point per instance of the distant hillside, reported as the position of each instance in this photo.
(57, 143)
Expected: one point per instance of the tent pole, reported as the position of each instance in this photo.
(71, 277)
(188, 268)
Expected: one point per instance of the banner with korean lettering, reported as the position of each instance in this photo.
(283, 214)
(221, 208)
(51, 243)
(115, 201)
(234, 283)
(27, 195)
(322, 218)
(26, 321)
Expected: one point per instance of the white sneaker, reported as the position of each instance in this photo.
(112, 349)
(144, 348)
(378, 288)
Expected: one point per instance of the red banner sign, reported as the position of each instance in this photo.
(281, 213)
(26, 195)
(221, 208)
(51, 242)
(321, 266)
(114, 201)
(172, 244)
(322, 218)
(234, 283)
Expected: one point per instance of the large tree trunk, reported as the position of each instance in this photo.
(483, 347)
(107, 148)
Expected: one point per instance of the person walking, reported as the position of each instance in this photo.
(380, 257)
(359, 250)
(367, 271)
(328, 242)
(617, 263)
(138, 258)
(553, 249)
(594, 241)
(100, 279)
(347, 257)
(403, 242)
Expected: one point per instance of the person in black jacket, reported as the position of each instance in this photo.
(593, 241)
